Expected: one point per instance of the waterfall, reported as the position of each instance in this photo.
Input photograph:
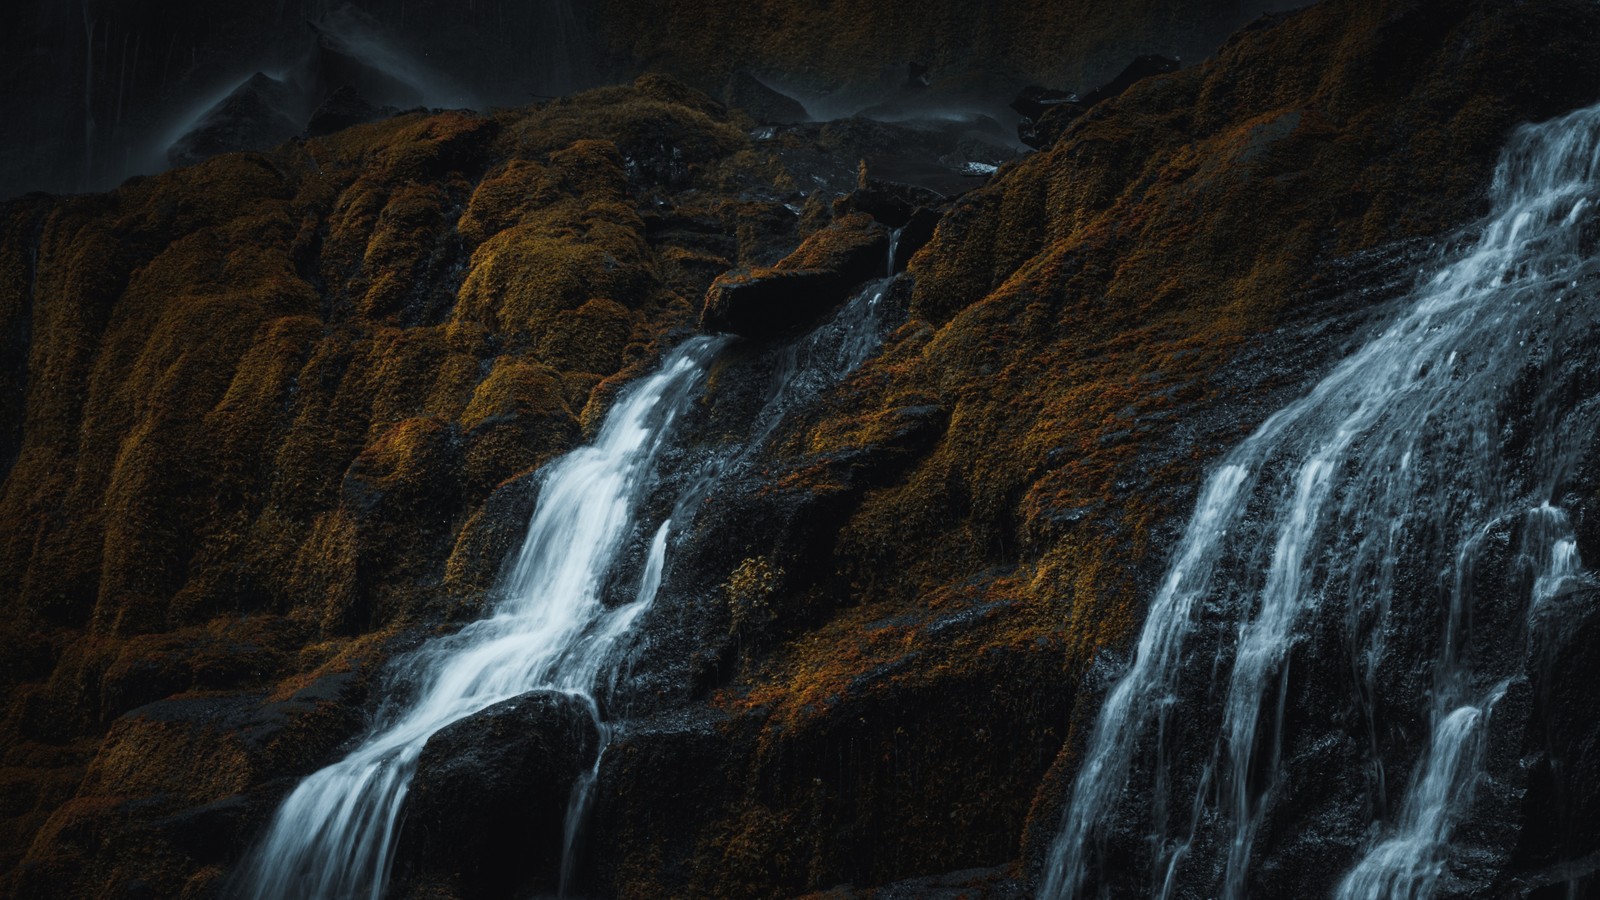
(1459, 422)
(334, 836)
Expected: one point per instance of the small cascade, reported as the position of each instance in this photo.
(806, 367)
(822, 358)
(334, 836)
(1396, 483)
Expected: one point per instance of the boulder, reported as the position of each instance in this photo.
(892, 203)
(488, 804)
(818, 276)
(897, 172)
(769, 305)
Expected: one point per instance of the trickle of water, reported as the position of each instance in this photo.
(1409, 439)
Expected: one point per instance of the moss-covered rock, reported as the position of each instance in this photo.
(258, 411)
(1088, 331)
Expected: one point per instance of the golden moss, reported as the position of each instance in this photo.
(1063, 319)
(502, 198)
(749, 591)
(275, 388)
(284, 382)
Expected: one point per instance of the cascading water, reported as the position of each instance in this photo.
(1463, 420)
(334, 836)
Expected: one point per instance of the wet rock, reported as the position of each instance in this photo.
(890, 202)
(914, 235)
(1560, 812)
(764, 104)
(895, 171)
(657, 774)
(771, 305)
(818, 276)
(488, 804)
(258, 115)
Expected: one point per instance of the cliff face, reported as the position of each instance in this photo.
(964, 46)
(96, 91)
(267, 420)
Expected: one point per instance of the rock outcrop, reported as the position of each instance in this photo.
(486, 814)
(820, 274)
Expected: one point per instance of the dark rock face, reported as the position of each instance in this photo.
(488, 805)
(762, 103)
(914, 235)
(1559, 816)
(259, 115)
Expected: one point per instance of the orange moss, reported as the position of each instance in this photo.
(284, 383)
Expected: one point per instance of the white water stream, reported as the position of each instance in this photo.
(1407, 437)
(334, 836)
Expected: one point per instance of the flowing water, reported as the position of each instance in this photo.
(334, 836)
(1457, 423)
